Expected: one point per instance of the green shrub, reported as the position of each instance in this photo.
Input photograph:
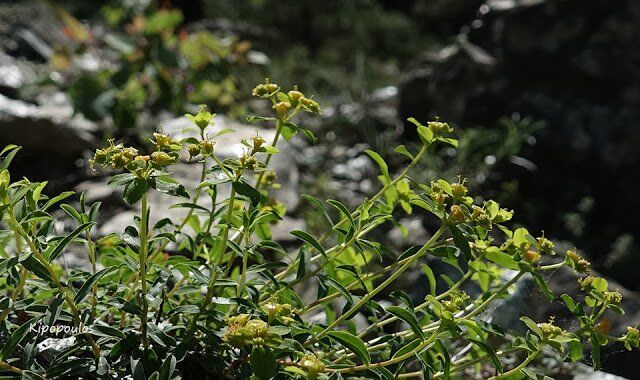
(229, 304)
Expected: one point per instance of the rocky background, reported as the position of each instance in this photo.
(570, 65)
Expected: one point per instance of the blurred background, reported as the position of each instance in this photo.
(544, 95)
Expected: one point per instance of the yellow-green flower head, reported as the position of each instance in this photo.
(532, 256)
(310, 105)
(613, 297)
(161, 140)
(258, 142)
(265, 90)
(207, 146)
(456, 215)
(194, 150)
(248, 162)
(312, 365)
(545, 245)
(162, 158)
(586, 283)
(282, 108)
(439, 128)
(549, 330)
(130, 153)
(295, 96)
(580, 264)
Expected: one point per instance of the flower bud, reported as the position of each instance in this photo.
(130, 153)
(161, 140)
(545, 245)
(532, 256)
(458, 190)
(265, 90)
(119, 160)
(248, 162)
(295, 96)
(312, 365)
(101, 157)
(613, 297)
(549, 330)
(281, 109)
(456, 215)
(258, 142)
(439, 128)
(310, 105)
(194, 150)
(207, 146)
(162, 158)
(580, 264)
(586, 283)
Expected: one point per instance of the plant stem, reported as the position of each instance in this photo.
(214, 275)
(380, 287)
(517, 369)
(394, 360)
(9, 367)
(144, 247)
(54, 277)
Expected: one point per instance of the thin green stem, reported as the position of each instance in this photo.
(517, 369)
(144, 247)
(380, 287)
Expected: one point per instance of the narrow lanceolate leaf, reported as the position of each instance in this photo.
(15, 339)
(595, 350)
(64, 242)
(304, 236)
(461, 242)
(409, 317)
(353, 343)
(383, 165)
(489, 351)
(342, 208)
(86, 287)
(107, 331)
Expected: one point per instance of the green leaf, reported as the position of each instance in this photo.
(460, 241)
(15, 339)
(134, 191)
(383, 165)
(532, 325)
(595, 350)
(263, 363)
(248, 191)
(353, 343)
(403, 151)
(430, 277)
(409, 317)
(575, 350)
(12, 149)
(36, 267)
(501, 258)
(304, 236)
(64, 242)
(106, 331)
(342, 208)
(86, 287)
(492, 354)
(288, 130)
(544, 287)
(168, 185)
(121, 179)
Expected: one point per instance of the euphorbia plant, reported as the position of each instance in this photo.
(228, 302)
